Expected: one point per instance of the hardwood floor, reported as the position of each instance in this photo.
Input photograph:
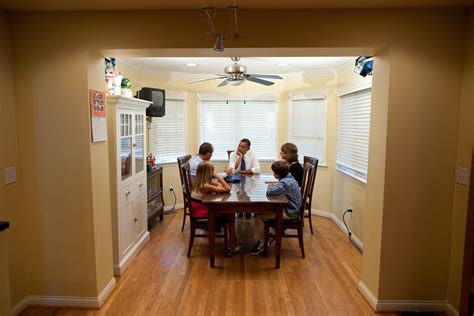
(163, 281)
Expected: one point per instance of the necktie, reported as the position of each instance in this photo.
(242, 165)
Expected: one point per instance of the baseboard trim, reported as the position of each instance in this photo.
(369, 297)
(123, 265)
(65, 301)
(105, 293)
(405, 305)
(357, 242)
(450, 310)
(176, 207)
(20, 306)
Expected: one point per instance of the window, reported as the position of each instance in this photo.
(168, 132)
(353, 133)
(225, 122)
(308, 124)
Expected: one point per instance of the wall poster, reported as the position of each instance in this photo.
(98, 118)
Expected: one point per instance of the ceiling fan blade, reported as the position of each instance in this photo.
(260, 81)
(223, 83)
(206, 79)
(266, 76)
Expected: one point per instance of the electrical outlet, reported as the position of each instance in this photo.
(10, 175)
(462, 175)
(170, 189)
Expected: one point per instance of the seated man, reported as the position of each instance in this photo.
(286, 185)
(244, 161)
(205, 153)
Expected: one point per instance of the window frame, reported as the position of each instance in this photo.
(238, 96)
(309, 95)
(172, 95)
(342, 91)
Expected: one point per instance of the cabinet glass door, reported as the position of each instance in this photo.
(126, 145)
(139, 143)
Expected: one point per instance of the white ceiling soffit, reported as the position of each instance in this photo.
(120, 5)
(208, 66)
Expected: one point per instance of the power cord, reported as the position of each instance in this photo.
(344, 220)
(174, 204)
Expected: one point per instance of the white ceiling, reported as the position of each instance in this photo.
(94, 5)
(216, 65)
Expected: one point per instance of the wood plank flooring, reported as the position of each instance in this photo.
(163, 281)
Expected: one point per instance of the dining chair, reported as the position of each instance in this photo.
(181, 161)
(296, 223)
(309, 200)
(229, 151)
(198, 222)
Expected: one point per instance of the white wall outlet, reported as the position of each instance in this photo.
(462, 175)
(10, 175)
(170, 189)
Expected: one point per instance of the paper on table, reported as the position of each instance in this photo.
(271, 180)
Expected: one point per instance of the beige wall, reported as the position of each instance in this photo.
(420, 111)
(464, 150)
(16, 240)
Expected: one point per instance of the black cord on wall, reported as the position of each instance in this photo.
(174, 204)
(344, 220)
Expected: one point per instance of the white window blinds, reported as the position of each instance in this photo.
(353, 133)
(168, 132)
(308, 125)
(225, 123)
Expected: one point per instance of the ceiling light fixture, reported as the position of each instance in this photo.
(219, 45)
(191, 65)
(219, 36)
(282, 64)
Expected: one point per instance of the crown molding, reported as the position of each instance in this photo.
(190, 76)
(339, 68)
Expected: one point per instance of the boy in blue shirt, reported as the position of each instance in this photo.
(286, 185)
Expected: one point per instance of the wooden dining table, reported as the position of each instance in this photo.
(247, 196)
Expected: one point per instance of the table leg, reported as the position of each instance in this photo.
(212, 235)
(278, 233)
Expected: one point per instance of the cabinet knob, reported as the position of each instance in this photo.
(127, 193)
(136, 220)
(140, 185)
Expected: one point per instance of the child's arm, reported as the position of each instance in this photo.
(276, 189)
(210, 187)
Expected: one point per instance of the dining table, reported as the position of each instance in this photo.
(247, 195)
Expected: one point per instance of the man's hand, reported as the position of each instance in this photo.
(228, 171)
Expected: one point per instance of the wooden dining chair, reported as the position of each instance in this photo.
(181, 161)
(309, 200)
(229, 151)
(199, 223)
(296, 223)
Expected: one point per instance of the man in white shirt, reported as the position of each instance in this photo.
(205, 153)
(243, 160)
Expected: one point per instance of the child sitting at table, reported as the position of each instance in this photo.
(286, 185)
(205, 183)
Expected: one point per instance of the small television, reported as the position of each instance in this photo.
(157, 96)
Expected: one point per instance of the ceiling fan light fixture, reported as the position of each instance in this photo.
(283, 64)
(219, 45)
(236, 82)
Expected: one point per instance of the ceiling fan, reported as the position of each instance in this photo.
(236, 74)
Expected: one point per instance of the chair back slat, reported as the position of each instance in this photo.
(186, 172)
(314, 162)
(305, 187)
